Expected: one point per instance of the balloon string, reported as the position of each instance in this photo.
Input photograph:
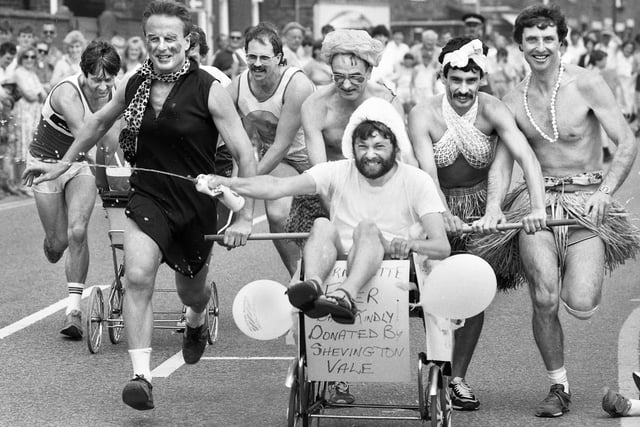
(133, 168)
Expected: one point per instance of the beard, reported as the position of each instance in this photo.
(375, 168)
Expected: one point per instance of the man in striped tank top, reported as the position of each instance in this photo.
(65, 203)
(269, 97)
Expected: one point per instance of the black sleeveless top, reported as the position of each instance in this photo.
(181, 140)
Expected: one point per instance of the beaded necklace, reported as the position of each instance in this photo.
(554, 119)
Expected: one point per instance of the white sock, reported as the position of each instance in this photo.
(193, 319)
(75, 295)
(559, 376)
(141, 361)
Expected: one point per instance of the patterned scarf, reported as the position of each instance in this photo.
(134, 112)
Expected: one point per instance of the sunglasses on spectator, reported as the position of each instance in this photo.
(48, 32)
(43, 51)
(235, 37)
(29, 57)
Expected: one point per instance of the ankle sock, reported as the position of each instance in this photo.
(559, 376)
(194, 319)
(141, 361)
(75, 296)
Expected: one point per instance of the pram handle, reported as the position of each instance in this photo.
(467, 229)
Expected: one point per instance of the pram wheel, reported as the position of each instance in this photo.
(95, 316)
(213, 312)
(115, 323)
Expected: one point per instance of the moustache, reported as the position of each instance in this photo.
(258, 69)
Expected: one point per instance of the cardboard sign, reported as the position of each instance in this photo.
(376, 347)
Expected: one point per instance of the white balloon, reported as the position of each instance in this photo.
(459, 287)
(262, 311)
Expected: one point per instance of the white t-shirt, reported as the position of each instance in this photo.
(393, 207)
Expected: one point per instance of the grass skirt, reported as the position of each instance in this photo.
(304, 211)
(621, 238)
(466, 204)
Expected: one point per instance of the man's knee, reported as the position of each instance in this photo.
(77, 233)
(139, 278)
(278, 210)
(583, 314)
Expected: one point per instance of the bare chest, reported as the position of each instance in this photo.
(159, 93)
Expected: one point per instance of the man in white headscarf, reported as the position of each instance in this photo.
(354, 189)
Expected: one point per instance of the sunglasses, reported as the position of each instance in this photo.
(43, 51)
(29, 57)
(48, 32)
(235, 37)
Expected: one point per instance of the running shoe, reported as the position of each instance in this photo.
(52, 256)
(555, 404)
(194, 341)
(72, 326)
(615, 404)
(340, 394)
(462, 397)
(137, 393)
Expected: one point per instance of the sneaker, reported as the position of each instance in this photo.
(72, 327)
(194, 340)
(137, 393)
(555, 404)
(462, 397)
(340, 394)
(615, 404)
(52, 256)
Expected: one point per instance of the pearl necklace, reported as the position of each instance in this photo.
(554, 119)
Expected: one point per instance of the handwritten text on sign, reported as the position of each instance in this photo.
(376, 347)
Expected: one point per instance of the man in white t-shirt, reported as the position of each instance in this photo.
(374, 201)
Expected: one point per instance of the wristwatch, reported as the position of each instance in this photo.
(604, 189)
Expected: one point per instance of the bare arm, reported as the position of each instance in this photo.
(312, 114)
(603, 103)
(92, 130)
(267, 187)
(230, 127)
(300, 87)
(435, 246)
(420, 119)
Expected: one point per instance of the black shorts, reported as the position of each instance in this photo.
(182, 243)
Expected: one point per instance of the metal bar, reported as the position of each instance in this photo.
(466, 229)
(365, 417)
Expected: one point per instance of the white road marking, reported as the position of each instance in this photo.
(16, 204)
(39, 315)
(628, 360)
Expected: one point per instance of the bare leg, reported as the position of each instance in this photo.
(195, 294)
(142, 259)
(81, 196)
(52, 210)
(466, 339)
(321, 250)
(365, 257)
(277, 214)
(540, 263)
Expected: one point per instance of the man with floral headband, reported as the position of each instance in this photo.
(174, 112)
(456, 137)
(561, 109)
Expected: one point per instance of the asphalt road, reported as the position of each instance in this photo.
(48, 381)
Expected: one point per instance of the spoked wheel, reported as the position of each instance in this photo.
(293, 411)
(422, 392)
(440, 402)
(115, 322)
(95, 316)
(213, 313)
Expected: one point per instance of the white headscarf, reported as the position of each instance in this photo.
(460, 58)
(379, 110)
